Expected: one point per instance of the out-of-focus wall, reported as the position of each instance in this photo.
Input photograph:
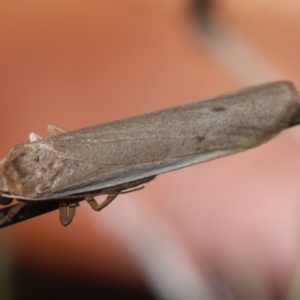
(79, 63)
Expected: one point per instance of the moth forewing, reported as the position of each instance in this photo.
(146, 145)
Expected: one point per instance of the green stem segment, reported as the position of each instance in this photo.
(34, 209)
(296, 119)
(28, 212)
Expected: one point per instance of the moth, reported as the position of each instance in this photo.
(119, 156)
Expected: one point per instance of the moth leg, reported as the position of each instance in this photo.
(95, 206)
(34, 137)
(52, 130)
(13, 212)
(66, 212)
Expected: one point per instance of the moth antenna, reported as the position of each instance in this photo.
(133, 190)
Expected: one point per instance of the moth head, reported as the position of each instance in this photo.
(28, 169)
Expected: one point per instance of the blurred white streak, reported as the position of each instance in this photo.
(238, 55)
(156, 248)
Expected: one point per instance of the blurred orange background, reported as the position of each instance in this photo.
(79, 63)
